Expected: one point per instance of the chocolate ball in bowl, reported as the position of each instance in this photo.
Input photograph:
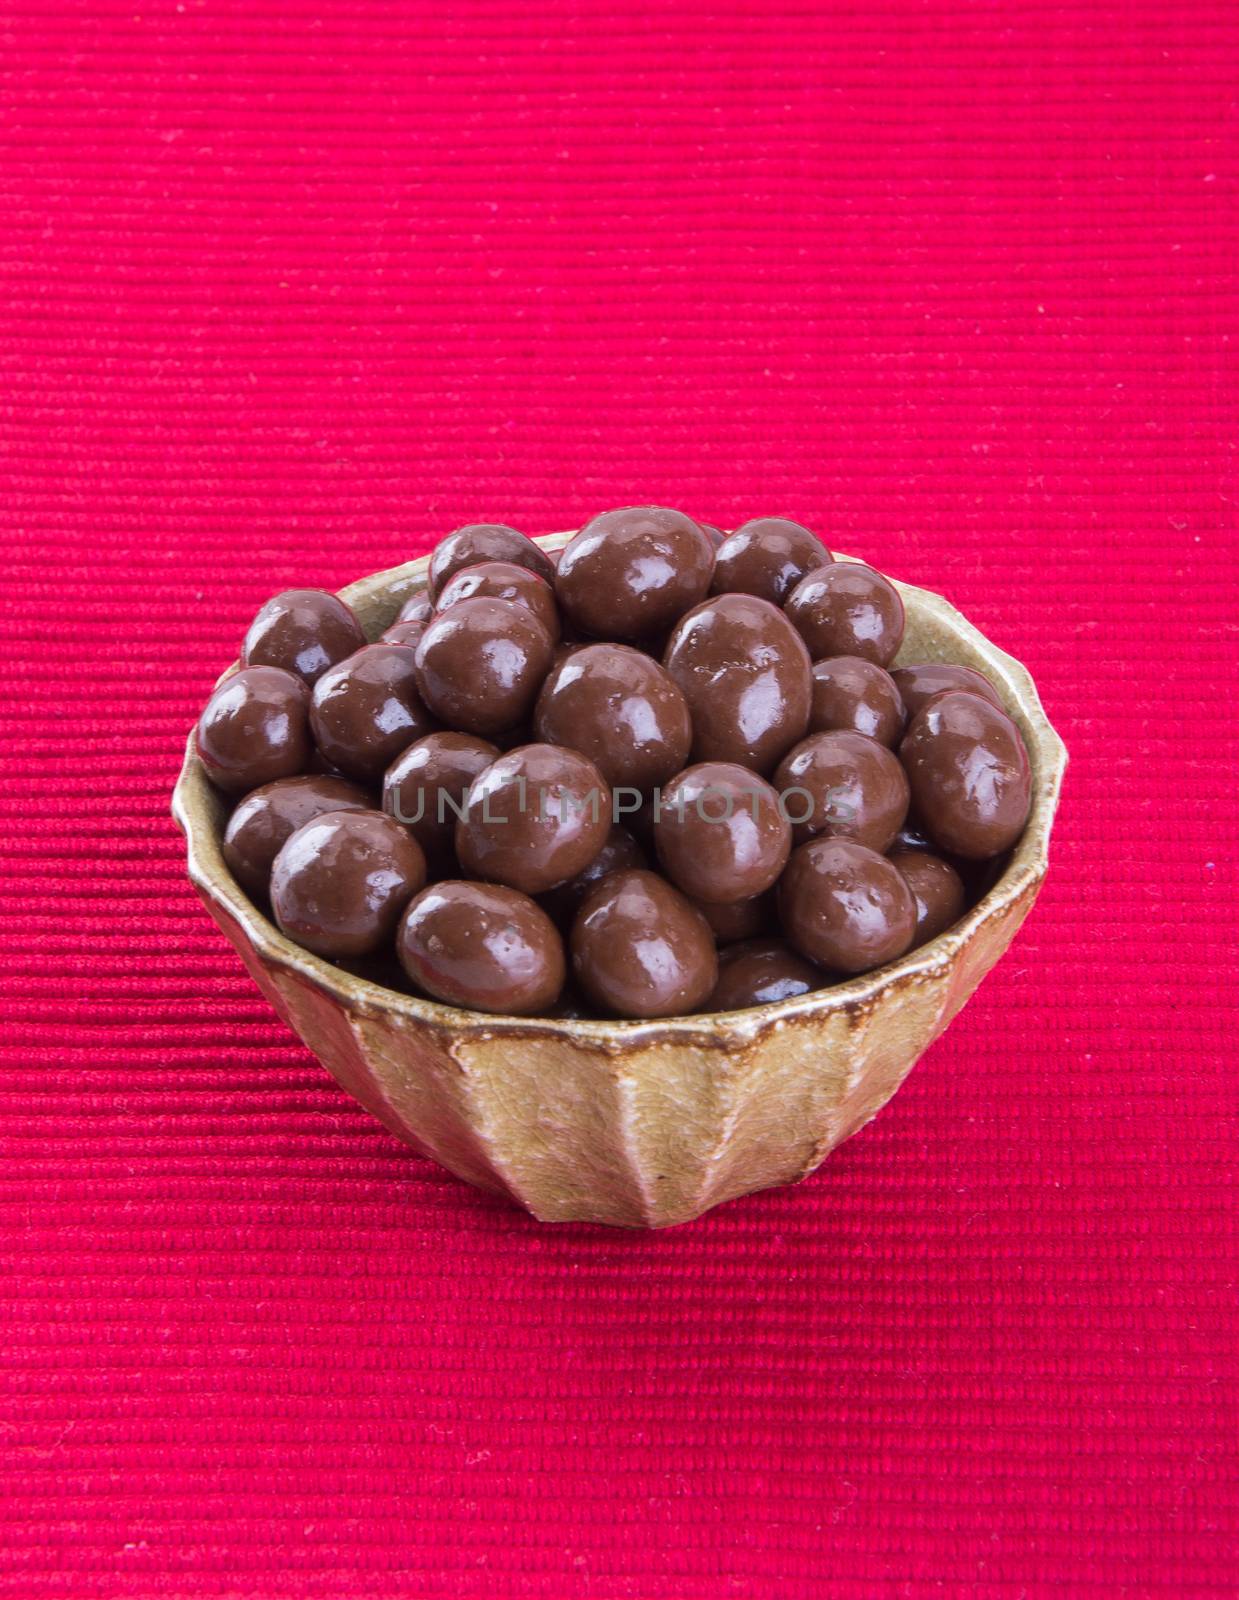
(484, 541)
(266, 818)
(758, 972)
(720, 833)
(482, 946)
(340, 883)
(425, 789)
(255, 728)
(937, 889)
(741, 919)
(305, 631)
(419, 607)
(640, 949)
(631, 574)
(619, 708)
(845, 907)
(767, 557)
(848, 609)
(503, 580)
(744, 671)
(368, 709)
(854, 695)
(534, 818)
(481, 663)
(969, 774)
(843, 785)
(620, 853)
(925, 680)
(406, 633)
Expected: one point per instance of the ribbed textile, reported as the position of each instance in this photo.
(287, 290)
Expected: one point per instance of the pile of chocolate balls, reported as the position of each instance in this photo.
(663, 771)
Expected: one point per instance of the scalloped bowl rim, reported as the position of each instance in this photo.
(1025, 870)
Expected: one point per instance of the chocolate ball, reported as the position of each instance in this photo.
(937, 889)
(340, 882)
(720, 833)
(484, 541)
(713, 534)
(844, 786)
(305, 631)
(368, 709)
(534, 818)
(267, 817)
(425, 788)
(620, 853)
(848, 609)
(760, 972)
(741, 919)
(619, 708)
(406, 633)
(503, 580)
(845, 907)
(483, 947)
(911, 836)
(481, 663)
(925, 679)
(744, 671)
(419, 607)
(631, 574)
(969, 774)
(855, 695)
(255, 729)
(767, 557)
(640, 949)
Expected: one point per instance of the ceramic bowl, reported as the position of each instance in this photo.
(640, 1124)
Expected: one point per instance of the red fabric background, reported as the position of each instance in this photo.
(286, 290)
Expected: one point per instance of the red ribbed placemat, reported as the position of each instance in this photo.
(286, 290)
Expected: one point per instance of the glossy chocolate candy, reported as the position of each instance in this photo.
(425, 788)
(720, 833)
(845, 907)
(534, 818)
(406, 633)
(924, 680)
(741, 919)
(340, 883)
(305, 631)
(367, 709)
(853, 695)
(620, 853)
(767, 557)
(744, 671)
(481, 663)
(619, 708)
(419, 607)
(759, 972)
(848, 609)
(266, 818)
(640, 949)
(255, 728)
(969, 774)
(937, 889)
(843, 785)
(482, 946)
(503, 580)
(484, 541)
(631, 574)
